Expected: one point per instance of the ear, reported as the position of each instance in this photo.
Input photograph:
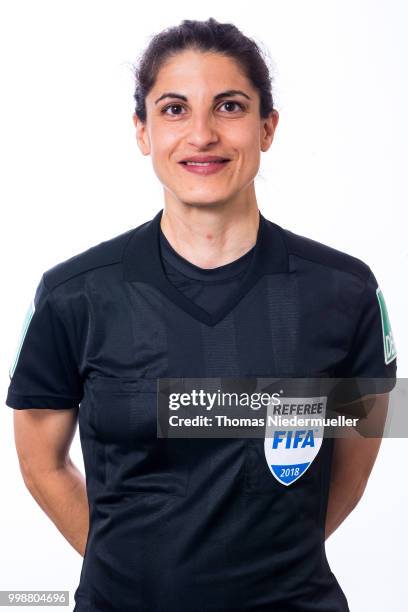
(142, 136)
(268, 127)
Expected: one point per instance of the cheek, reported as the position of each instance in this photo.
(252, 143)
(161, 145)
(249, 153)
(162, 149)
(162, 140)
(245, 141)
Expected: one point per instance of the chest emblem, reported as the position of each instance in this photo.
(294, 436)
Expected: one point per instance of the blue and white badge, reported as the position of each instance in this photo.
(295, 433)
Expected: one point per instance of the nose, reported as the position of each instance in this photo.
(202, 130)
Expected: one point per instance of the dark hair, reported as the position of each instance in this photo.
(209, 35)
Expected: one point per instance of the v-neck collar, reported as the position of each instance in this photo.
(142, 262)
(186, 269)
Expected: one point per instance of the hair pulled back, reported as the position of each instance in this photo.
(203, 36)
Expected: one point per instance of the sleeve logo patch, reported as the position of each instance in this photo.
(26, 323)
(390, 351)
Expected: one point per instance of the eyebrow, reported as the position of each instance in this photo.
(223, 94)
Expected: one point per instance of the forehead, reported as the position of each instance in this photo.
(190, 69)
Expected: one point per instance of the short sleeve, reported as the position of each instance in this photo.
(372, 356)
(44, 372)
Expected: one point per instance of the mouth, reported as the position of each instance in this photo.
(205, 168)
(207, 163)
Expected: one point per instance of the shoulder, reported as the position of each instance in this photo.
(104, 254)
(316, 253)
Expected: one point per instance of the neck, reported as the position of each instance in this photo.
(210, 236)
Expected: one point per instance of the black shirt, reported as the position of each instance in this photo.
(194, 525)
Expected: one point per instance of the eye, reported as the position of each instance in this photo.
(233, 103)
(178, 106)
(165, 109)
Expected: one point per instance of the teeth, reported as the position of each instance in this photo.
(202, 163)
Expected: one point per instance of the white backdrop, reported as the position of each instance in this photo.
(72, 176)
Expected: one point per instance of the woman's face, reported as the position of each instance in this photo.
(189, 115)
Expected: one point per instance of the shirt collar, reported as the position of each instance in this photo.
(142, 261)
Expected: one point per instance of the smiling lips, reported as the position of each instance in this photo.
(204, 164)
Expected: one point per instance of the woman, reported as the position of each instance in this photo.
(209, 288)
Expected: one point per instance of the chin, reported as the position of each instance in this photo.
(203, 199)
(203, 204)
